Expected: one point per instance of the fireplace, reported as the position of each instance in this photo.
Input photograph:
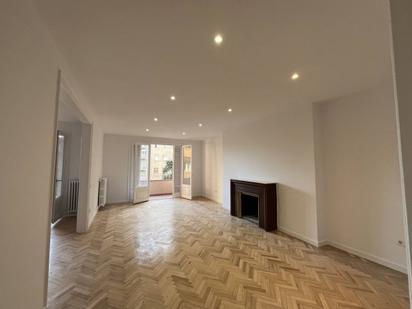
(249, 206)
(255, 202)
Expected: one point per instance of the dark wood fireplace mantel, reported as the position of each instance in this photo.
(265, 197)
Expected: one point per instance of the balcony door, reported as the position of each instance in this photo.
(141, 173)
(186, 185)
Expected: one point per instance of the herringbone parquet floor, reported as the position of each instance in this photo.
(175, 253)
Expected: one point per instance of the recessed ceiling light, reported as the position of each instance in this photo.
(155, 119)
(229, 110)
(183, 133)
(147, 130)
(218, 39)
(200, 124)
(295, 76)
(172, 98)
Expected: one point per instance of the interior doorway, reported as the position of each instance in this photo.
(70, 194)
(72, 156)
(72, 161)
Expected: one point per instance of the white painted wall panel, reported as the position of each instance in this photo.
(361, 203)
(280, 149)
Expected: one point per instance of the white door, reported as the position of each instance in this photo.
(141, 173)
(186, 187)
(177, 170)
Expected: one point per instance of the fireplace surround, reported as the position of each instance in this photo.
(255, 202)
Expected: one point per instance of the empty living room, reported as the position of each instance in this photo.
(205, 154)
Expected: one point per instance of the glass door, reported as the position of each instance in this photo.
(141, 172)
(186, 187)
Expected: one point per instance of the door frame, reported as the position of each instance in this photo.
(65, 93)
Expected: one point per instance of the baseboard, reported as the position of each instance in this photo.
(299, 236)
(322, 243)
(161, 194)
(212, 200)
(365, 255)
(116, 203)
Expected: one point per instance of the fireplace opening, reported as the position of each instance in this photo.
(250, 207)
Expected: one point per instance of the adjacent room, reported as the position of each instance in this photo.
(215, 154)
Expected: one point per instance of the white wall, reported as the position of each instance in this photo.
(213, 169)
(359, 171)
(30, 63)
(85, 181)
(279, 148)
(28, 85)
(96, 171)
(117, 152)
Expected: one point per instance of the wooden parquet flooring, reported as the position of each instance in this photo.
(175, 253)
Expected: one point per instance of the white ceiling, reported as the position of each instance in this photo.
(130, 56)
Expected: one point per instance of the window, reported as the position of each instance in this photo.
(59, 167)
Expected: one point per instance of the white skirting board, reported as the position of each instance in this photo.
(359, 253)
(299, 236)
(365, 255)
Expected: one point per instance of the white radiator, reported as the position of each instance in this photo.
(102, 192)
(72, 197)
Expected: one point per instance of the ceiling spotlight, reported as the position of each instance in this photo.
(183, 133)
(229, 110)
(147, 130)
(155, 119)
(295, 76)
(200, 124)
(218, 39)
(173, 98)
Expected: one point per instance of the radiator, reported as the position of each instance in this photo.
(72, 197)
(101, 201)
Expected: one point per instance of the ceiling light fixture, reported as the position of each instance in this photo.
(183, 133)
(218, 39)
(173, 98)
(147, 130)
(295, 76)
(155, 119)
(229, 110)
(200, 124)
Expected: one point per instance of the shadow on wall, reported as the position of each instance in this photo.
(295, 213)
